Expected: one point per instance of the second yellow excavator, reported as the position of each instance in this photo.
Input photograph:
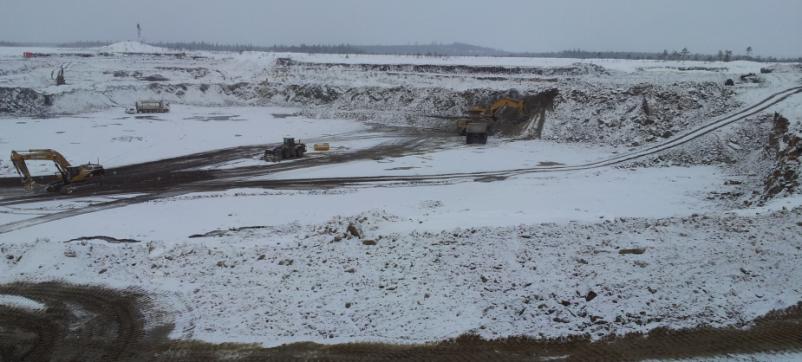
(489, 114)
(67, 175)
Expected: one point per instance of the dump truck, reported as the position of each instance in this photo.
(67, 174)
(476, 132)
(149, 107)
(288, 149)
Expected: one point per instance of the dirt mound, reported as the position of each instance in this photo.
(574, 69)
(23, 101)
(785, 144)
(636, 115)
(420, 101)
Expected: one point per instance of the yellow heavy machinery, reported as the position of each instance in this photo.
(489, 114)
(67, 173)
(500, 103)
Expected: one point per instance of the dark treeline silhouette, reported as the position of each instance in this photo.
(437, 49)
(433, 49)
(303, 48)
(684, 54)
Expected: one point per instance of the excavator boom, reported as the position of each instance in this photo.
(506, 102)
(490, 112)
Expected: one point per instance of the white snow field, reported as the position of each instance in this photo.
(677, 239)
(127, 139)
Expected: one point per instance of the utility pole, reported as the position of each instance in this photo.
(138, 32)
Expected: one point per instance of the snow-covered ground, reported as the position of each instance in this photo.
(657, 246)
(586, 196)
(279, 282)
(124, 139)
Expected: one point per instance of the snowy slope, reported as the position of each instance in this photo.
(132, 47)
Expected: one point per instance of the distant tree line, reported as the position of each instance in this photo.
(724, 55)
(437, 49)
(303, 48)
(77, 44)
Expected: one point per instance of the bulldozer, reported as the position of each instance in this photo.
(476, 133)
(67, 174)
(288, 149)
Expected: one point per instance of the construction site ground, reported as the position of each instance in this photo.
(628, 232)
(111, 327)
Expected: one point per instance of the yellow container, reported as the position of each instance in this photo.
(321, 146)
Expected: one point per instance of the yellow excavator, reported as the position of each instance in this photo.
(489, 114)
(67, 173)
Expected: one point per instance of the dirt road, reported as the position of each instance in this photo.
(82, 323)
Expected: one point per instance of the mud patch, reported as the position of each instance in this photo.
(490, 178)
(216, 118)
(128, 139)
(107, 239)
(154, 78)
(151, 118)
(78, 323)
(284, 115)
(219, 233)
(549, 163)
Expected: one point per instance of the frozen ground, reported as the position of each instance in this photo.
(598, 252)
(586, 196)
(127, 139)
(274, 283)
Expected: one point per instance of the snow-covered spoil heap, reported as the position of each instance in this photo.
(132, 47)
(786, 144)
(23, 101)
(596, 105)
(635, 115)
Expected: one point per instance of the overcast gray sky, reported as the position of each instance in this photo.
(772, 27)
